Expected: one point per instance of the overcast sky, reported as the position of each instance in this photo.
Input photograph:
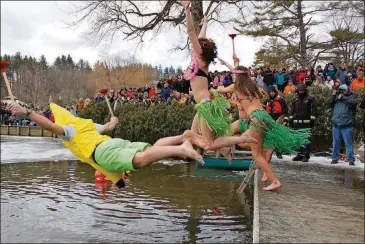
(36, 28)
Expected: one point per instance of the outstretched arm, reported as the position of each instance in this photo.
(111, 125)
(230, 67)
(203, 31)
(191, 30)
(40, 120)
(228, 89)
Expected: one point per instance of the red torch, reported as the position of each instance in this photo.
(3, 65)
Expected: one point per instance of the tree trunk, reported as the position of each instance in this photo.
(197, 14)
(303, 35)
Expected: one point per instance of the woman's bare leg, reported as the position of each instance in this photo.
(194, 138)
(210, 137)
(222, 144)
(156, 153)
(236, 127)
(268, 155)
(257, 152)
(194, 125)
(226, 141)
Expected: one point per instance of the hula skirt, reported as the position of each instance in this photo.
(276, 136)
(213, 111)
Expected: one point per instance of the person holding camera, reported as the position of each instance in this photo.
(303, 115)
(343, 105)
(330, 70)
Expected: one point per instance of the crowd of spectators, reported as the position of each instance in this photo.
(6, 117)
(331, 76)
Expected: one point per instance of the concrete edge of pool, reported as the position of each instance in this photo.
(256, 214)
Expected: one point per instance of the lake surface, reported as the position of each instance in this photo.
(60, 202)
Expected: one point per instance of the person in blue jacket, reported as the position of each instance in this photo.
(343, 104)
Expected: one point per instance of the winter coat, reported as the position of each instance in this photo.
(332, 73)
(269, 79)
(300, 77)
(343, 110)
(341, 75)
(292, 77)
(280, 79)
(357, 84)
(227, 80)
(165, 92)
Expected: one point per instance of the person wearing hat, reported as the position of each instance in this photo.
(343, 104)
(303, 115)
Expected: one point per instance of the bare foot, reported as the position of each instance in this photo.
(188, 151)
(245, 145)
(264, 178)
(195, 139)
(226, 152)
(248, 139)
(274, 186)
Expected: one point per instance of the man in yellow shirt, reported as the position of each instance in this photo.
(111, 157)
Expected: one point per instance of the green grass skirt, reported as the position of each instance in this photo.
(276, 136)
(214, 113)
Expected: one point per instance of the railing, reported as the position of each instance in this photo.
(25, 131)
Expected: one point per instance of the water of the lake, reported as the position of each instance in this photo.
(60, 202)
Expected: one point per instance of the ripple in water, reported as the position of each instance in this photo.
(60, 202)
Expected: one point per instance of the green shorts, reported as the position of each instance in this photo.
(117, 154)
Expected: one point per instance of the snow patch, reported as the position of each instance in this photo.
(361, 148)
(28, 149)
(324, 161)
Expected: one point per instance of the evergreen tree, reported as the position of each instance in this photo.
(179, 70)
(57, 62)
(43, 63)
(63, 60)
(166, 72)
(172, 70)
(81, 64)
(70, 62)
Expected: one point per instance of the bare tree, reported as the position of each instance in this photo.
(134, 19)
(120, 66)
(34, 85)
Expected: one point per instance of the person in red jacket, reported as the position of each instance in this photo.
(301, 74)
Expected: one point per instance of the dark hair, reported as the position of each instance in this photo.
(209, 50)
(245, 85)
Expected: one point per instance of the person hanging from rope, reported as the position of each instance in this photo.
(111, 157)
(211, 120)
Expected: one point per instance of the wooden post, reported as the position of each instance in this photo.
(7, 132)
(18, 130)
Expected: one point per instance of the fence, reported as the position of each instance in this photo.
(25, 131)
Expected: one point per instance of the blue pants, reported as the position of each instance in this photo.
(347, 134)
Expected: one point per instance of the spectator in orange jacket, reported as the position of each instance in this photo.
(289, 88)
(357, 83)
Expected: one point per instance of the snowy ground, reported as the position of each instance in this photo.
(35, 149)
(320, 161)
